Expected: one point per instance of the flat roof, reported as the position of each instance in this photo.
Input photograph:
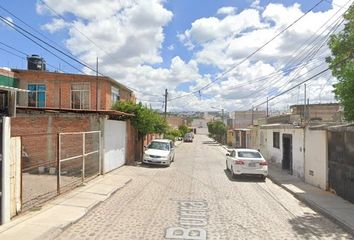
(73, 74)
(58, 110)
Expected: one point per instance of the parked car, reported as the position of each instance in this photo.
(246, 162)
(188, 138)
(160, 152)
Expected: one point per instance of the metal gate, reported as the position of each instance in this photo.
(341, 161)
(52, 163)
(79, 158)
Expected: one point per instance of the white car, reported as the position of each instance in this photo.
(159, 151)
(244, 161)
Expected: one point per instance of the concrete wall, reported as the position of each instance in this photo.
(114, 145)
(15, 175)
(275, 155)
(6, 172)
(316, 155)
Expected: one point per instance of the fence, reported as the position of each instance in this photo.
(54, 163)
(79, 157)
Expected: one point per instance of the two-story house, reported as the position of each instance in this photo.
(69, 91)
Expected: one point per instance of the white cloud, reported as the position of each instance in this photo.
(131, 34)
(226, 11)
(255, 4)
(57, 24)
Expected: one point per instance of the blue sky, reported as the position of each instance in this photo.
(178, 58)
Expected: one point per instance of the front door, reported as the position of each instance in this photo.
(287, 162)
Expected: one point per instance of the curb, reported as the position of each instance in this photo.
(55, 232)
(315, 207)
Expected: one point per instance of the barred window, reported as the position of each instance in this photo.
(276, 140)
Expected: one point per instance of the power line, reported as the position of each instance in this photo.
(23, 58)
(12, 25)
(66, 53)
(62, 17)
(335, 24)
(253, 53)
(308, 79)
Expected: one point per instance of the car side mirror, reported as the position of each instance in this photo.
(228, 154)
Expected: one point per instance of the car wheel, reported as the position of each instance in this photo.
(263, 177)
(227, 167)
(233, 175)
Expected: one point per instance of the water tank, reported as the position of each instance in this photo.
(35, 62)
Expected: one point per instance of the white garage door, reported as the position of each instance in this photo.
(114, 144)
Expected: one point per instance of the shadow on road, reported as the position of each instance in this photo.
(243, 178)
(145, 165)
(211, 143)
(312, 224)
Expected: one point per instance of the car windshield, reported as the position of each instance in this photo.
(159, 146)
(248, 154)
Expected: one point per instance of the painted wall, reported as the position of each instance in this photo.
(114, 145)
(316, 155)
(275, 155)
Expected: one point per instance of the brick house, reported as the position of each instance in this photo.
(37, 106)
(69, 91)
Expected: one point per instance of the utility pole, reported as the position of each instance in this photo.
(252, 116)
(267, 107)
(222, 115)
(166, 94)
(305, 102)
(308, 109)
(97, 84)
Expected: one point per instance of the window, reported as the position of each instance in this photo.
(115, 95)
(276, 137)
(233, 154)
(80, 96)
(159, 146)
(244, 154)
(36, 96)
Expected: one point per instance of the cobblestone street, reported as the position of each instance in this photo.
(196, 193)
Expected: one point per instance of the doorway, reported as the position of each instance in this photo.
(287, 162)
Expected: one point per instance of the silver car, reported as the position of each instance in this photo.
(160, 152)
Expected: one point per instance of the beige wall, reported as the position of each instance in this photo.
(316, 166)
(275, 155)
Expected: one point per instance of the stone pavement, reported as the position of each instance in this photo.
(337, 209)
(65, 210)
(196, 198)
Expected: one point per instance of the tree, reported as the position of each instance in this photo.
(145, 120)
(183, 130)
(217, 130)
(342, 64)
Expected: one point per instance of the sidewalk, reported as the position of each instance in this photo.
(58, 214)
(326, 203)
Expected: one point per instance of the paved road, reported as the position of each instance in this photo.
(195, 198)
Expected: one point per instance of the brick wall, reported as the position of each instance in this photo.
(134, 148)
(58, 88)
(39, 136)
